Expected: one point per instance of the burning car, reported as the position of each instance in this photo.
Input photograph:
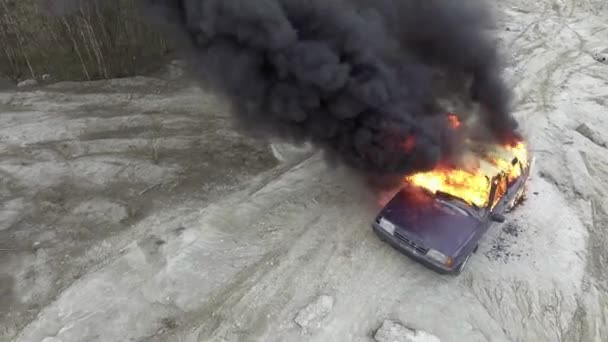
(439, 216)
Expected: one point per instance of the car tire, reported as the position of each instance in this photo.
(462, 265)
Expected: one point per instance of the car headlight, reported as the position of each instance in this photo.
(439, 257)
(388, 226)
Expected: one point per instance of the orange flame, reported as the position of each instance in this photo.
(472, 186)
(454, 121)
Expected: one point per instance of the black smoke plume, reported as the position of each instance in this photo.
(358, 78)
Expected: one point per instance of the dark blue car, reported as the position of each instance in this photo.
(441, 231)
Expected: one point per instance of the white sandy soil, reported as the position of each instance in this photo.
(131, 211)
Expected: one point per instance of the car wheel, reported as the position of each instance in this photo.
(462, 265)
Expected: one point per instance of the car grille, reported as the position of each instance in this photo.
(410, 243)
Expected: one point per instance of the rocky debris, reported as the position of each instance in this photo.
(167, 324)
(590, 134)
(511, 229)
(391, 331)
(601, 57)
(502, 248)
(27, 83)
(312, 315)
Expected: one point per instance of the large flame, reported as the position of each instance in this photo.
(473, 185)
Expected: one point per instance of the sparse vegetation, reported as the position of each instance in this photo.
(93, 42)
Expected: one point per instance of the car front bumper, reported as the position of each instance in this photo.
(410, 252)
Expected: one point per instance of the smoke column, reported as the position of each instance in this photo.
(354, 77)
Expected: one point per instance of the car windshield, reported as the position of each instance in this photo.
(445, 195)
(457, 204)
(454, 203)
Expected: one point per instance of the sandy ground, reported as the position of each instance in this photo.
(132, 212)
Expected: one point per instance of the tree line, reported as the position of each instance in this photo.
(93, 42)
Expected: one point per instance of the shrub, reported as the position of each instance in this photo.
(93, 42)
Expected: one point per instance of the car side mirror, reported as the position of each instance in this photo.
(498, 218)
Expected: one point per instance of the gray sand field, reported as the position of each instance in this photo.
(131, 211)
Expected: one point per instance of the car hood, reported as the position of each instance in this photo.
(431, 223)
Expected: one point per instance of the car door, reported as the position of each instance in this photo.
(517, 187)
(505, 195)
